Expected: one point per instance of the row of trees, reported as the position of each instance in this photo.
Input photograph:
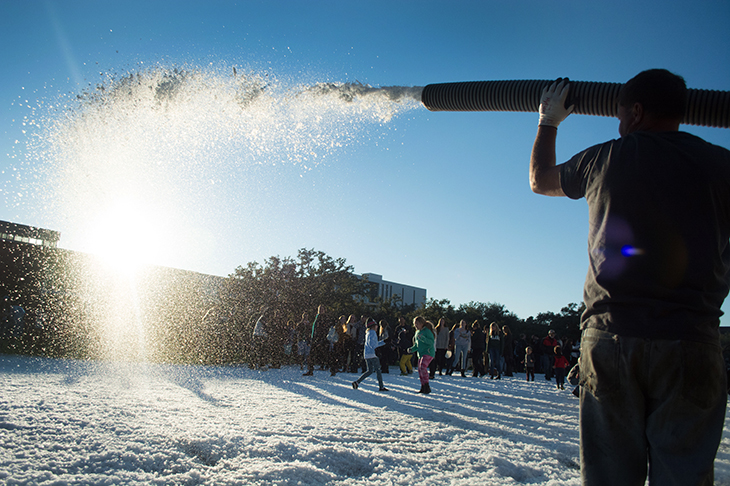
(292, 286)
(72, 310)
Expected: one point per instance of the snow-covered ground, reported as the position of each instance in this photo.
(69, 422)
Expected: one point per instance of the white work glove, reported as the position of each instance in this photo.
(552, 104)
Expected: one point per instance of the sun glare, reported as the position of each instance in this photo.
(125, 236)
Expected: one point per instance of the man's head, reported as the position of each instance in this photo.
(653, 100)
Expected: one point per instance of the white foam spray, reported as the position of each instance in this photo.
(160, 135)
(148, 164)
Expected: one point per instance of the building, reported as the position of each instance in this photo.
(383, 289)
(28, 234)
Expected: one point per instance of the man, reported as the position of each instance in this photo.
(547, 348)
(304, 344)
(260, 341)
(653, 380)
(278, 336)
(520, 347)
(361, 335)
(404, 333)
(478, 346)
(320, 346)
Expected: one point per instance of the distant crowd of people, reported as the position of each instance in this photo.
(352, 344)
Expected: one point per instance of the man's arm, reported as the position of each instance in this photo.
(544, 173)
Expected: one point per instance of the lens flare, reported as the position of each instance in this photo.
(629, 251)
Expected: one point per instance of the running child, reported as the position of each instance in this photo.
(371, 359)
(424, 344)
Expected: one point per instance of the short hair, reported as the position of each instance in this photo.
(660, 92)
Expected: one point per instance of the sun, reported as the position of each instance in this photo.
(126, 235)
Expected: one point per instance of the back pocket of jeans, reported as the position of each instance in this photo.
(703, 370)
(599, 364)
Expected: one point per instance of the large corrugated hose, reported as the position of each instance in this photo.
(704, 107)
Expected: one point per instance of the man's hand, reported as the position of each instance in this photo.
(552, 103)
(544, 173)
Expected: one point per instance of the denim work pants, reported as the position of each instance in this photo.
(460, 354)
(373, 366)
(494, 356)
(548, 360)
(649, 405)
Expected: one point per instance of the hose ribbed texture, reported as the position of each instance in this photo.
(704, 107)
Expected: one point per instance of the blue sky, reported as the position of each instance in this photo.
(435, 200)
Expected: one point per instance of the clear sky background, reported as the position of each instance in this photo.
(434, 200)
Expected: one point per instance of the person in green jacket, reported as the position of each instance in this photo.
(424, 345)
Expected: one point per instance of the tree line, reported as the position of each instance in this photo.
(290, 286)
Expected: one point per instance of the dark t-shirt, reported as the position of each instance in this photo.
(659, 225)
(478, 340)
